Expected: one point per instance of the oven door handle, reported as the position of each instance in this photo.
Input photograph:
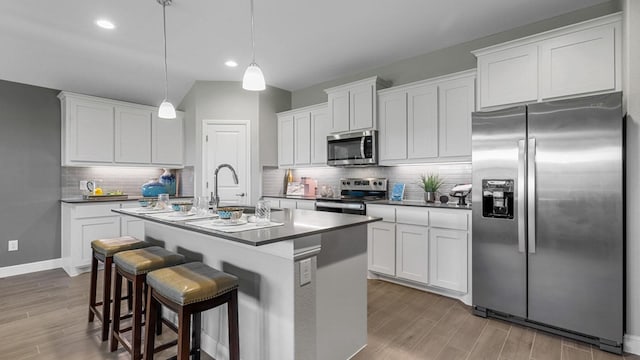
(336, 205)
(362, 147)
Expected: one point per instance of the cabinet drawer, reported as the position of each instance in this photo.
(90, 211)
(387, 213)
(412, 215)
(449, 220)
(305, 205)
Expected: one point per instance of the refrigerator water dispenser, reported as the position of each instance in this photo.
(497, 198)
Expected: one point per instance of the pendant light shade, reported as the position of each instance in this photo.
(166, 109)
(253, 79)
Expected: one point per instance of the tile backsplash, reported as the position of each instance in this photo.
(453, 173)
(127, 179)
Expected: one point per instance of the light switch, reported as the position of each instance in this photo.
(305, 271)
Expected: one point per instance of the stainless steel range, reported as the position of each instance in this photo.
(353, 194)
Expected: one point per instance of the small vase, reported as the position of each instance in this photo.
(429, 196)
(169, 181)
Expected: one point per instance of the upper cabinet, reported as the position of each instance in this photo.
(579, 59)
(302, 137)
(97, 131)
(352, 106)
(427, 121)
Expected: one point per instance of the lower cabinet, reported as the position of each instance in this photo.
(448, 259)
(282, 203)
(412, 252)
(381, 244)
(87, 230)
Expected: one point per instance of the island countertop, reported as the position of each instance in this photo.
(297, 223)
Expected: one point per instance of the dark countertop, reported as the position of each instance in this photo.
(80, 200)
(294, 197)
(297, 223)
(420, 203)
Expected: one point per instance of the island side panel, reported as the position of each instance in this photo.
(341, 288)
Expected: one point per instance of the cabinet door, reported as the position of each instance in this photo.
(91, 229)
(339, 111)
(509, 76)
(306, 205)
(288, 204)
(273, 202)
(302, 140)
(579, 62)
(448, 259)
(456, 105)
(381, 242)
(412, 252)
(319, 131)
(132, 135)
(392, 122)
(362, 111)
(422, 122)
(285, 141)
(89, 132)
(132, 226)
(167, 140)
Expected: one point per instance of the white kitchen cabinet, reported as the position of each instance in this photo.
(288, 204)
(167, 140)
(132, 135)
(273, 202)
(456, 103)
(579, 59)
(285, 141)
(104, 132)
(448, 251)
(319, 131)
(305, 204)
(302, 138)
(130, 225)
(427, 121)
(392, 124)
(381, 247)
(353, 106)
(87, 132)
(412, 252)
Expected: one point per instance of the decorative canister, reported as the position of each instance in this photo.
(169, 181)
(153, 188)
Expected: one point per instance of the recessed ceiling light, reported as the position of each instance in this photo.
(105, 24)
(231, 63)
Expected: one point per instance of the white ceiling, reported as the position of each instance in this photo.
(299, 43)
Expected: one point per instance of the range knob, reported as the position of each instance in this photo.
(348, 182)
(375, 183)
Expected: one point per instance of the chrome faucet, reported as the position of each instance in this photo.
(215, 198)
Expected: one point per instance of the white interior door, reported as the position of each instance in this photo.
(227, 142)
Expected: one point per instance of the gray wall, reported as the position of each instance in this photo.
(29, 173)
(448, 60)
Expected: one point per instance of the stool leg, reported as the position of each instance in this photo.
(149, 334)
(196, 329)
(115, 326)
(159, 322)
(136, 332)
(129, 296)
(184, 329)
(106, 298)
(94, 285)
(234, 335)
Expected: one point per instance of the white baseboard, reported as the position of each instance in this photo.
(30, 267)
(632, 344)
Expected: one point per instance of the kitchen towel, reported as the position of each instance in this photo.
(215, 225)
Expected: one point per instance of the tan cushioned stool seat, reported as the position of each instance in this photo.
(191, 283)
(108, 247)
(141, 261)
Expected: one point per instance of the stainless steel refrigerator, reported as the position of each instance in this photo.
(548, 217)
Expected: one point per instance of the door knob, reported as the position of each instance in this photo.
(241, 194)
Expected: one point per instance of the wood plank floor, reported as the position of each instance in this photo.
(44, 316)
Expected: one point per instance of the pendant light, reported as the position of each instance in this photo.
(253, 79)
(166, 109)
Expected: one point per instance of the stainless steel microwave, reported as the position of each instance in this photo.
(353, 149)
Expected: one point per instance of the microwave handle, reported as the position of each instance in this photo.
(362, 147)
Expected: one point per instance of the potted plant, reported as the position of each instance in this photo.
(430, 183)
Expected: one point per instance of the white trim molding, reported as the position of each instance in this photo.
(632, 344)
(30, 267)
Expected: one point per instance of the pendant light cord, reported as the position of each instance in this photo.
(164, 27)
(253, 40)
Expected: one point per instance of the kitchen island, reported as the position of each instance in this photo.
(303, 289)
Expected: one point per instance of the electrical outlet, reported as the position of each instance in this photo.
(83, 184)
(305, 272)
(13, 245)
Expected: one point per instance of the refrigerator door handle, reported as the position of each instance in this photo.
(531, 194)
(522, 160)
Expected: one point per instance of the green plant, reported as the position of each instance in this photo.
(430, 182)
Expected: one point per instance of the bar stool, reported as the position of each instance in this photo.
(188, 290)
(134, 265)
(103, 250)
